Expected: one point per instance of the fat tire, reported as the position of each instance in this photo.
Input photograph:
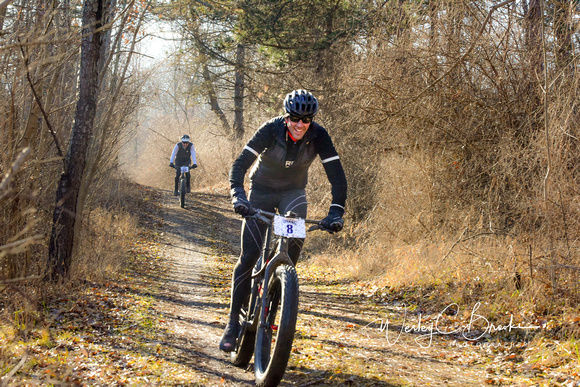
(242, 356)
(182, 192)
(270, 363)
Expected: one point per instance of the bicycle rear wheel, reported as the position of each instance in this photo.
(276, 331)
(245, 350)
(182, 191)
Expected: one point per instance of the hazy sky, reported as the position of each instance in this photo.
(160, 41)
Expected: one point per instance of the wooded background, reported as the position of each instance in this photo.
(456, 122)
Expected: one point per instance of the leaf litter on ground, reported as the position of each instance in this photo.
(103, 333)
(109, 333)
(510, 356)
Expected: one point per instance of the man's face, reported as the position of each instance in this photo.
(184, 143)
(297, 129)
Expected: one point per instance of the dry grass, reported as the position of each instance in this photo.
(107, 237)
(449, 184)
(109, 231)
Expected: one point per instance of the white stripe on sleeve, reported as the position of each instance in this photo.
(251, 150)
(330, 159)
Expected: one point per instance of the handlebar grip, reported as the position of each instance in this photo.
(267, 218)
(260, 218)
(320, 227)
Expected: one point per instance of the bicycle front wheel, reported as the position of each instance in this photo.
(182, 192)
(277, 326)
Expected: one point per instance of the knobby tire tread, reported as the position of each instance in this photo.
(182, 192)
(244, 354)
(269, 372)
(241, 358)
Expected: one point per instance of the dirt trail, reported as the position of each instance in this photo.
(159, 319)
(188, 302)
(339, 339)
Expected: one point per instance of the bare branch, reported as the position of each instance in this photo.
(15, 369)
(5, 4)
(459, 61)
(20, 279)
(10, 174)
(21, 243)
(39, 102)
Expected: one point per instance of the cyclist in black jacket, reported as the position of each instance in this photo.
(183, 155)
(285, 147)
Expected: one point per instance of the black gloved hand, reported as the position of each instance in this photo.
(241, 203)
(193, 166)
(243, 207)
(172, 165)
(333, 221)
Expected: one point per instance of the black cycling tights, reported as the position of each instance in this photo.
(253, 234)
(178, 176)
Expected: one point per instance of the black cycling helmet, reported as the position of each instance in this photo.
(301, 103)
(185, 138)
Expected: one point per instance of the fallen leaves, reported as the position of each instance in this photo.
(103, 333)
(110, 333)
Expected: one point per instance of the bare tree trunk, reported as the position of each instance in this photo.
(533, 19)
(108, 18)
(433, 38)
(239, 93)
(64, 217)
(208, 79)
(3, 7)
(104, 121)
(563, 32)
(213, 98)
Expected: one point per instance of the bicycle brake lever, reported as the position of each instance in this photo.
(259, 217)
(320, 227)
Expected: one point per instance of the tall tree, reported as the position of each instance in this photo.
(533, 34)
(298, 31)
(64, 217)
(3, 5)
(238, 131)
(563, 31)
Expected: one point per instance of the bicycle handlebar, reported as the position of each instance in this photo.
(268, 217)
(271, 215)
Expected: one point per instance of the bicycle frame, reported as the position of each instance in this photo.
(182, 184)
(272, 306)
(261, 272)
(184, 170)
(267, 263)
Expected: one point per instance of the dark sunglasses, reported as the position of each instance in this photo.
(305, 120)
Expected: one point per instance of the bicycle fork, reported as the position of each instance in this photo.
(280, 258)
(264, 271)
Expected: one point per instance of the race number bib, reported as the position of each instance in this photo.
(290, 228)
(185, 169)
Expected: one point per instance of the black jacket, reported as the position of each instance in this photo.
(183, 156)
(283, 164)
